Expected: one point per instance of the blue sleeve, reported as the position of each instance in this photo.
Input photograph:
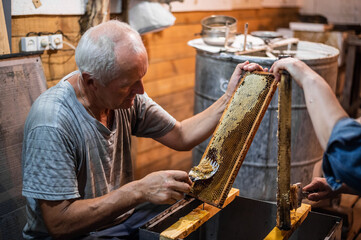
(342, 158)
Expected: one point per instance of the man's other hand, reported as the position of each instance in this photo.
(165, 187)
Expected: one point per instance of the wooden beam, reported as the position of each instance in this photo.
(125, 11)
(297, 217)
(284, 153)
(105, 10)
(4, 41)
(189, 223)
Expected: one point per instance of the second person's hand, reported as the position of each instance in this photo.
(318, 189)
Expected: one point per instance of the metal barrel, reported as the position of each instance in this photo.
(257, 177)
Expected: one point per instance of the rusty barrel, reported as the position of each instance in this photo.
(257, 177)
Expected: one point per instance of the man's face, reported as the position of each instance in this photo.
(121, 92)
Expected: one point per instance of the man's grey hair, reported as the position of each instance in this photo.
(95, 53)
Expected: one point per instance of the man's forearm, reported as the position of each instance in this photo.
(201, 126)
(322, 104)
(72, 218)
(192, 131)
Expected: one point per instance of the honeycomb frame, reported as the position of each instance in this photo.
(234, 134)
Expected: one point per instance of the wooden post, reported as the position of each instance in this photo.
(4, 41)
(97, 12)
(284, 153)
(105, 10)
(125, 6)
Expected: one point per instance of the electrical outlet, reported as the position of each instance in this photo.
(43, 43)
(28, 44)
(56, 41)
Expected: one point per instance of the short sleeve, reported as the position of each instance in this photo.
(342, 158)
(49, 167)
(151, 119)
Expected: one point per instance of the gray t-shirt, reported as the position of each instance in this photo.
(67, 154)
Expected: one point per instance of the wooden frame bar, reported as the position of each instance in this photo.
(284, 153)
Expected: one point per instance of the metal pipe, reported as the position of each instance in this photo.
(245, 36)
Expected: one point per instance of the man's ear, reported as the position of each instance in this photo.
(88, 80)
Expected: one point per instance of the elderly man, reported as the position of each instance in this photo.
(338, 134)
(77, 168)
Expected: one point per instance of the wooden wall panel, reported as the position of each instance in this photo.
(170, 85)
(58, 63)
(171, 68)
(174, 34)
(43, 23)
(170, 51)
(170, 77)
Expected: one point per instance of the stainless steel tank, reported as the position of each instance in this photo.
(257, 176)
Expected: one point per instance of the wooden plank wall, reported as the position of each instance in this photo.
(171, 74)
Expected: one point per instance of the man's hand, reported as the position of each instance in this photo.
(246, 66)
(165, 187)
(319, 189)
(296, 68)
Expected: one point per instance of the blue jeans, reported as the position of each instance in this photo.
(129, 229)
